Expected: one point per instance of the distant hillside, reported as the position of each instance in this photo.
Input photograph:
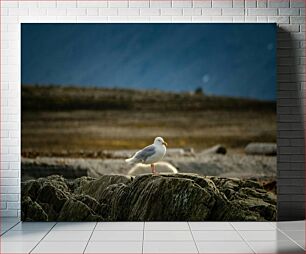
(53, 98)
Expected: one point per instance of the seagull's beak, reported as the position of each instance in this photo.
(165, 143)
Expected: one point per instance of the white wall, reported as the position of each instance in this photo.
(289, 14)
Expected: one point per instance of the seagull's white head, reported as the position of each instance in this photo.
(159, 141)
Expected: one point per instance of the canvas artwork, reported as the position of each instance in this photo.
(148, 122)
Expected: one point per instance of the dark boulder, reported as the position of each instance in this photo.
(217, 149)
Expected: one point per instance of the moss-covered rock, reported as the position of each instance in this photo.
(247, 199)
(166, 198)
(75, 210)
(32, 211)
(169, 197)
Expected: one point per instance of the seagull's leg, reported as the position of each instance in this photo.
(153, 169)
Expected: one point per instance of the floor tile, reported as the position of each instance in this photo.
(169, 247)
(166, 226)
(17, 247)
(9, 220)
(69, 236)
(274, 235)
(60, 247)
(291, 225)
(167, 236)
(33, 226)
(3, 230)
(64, 226)
(5, 226)
(296, 235)
(120, 226)
(114, 247)
(276, 247)
(225, 226)
(301, 243)
(253, 226)
(223, 247)
(9, 224)
(107, 236)
(23, 236)
(216, 236)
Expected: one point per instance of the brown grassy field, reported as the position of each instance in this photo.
(70, 120)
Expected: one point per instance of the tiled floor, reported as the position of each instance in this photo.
(152, 237)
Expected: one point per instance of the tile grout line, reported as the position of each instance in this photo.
(10, 228)
(291, 239)
(232, 226)
(143, 232)
(274, 226)
(244, 240)
(193, 237)
(90, 237)
(42, 238)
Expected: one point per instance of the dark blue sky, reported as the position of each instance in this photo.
(223, 59)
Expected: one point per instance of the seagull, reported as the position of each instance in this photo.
(150, 154)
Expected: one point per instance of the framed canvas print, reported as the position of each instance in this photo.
(148, 122)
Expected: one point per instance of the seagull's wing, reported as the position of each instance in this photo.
(145, 153)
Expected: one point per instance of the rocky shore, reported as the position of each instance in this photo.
(167, 197)
(213, 161)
